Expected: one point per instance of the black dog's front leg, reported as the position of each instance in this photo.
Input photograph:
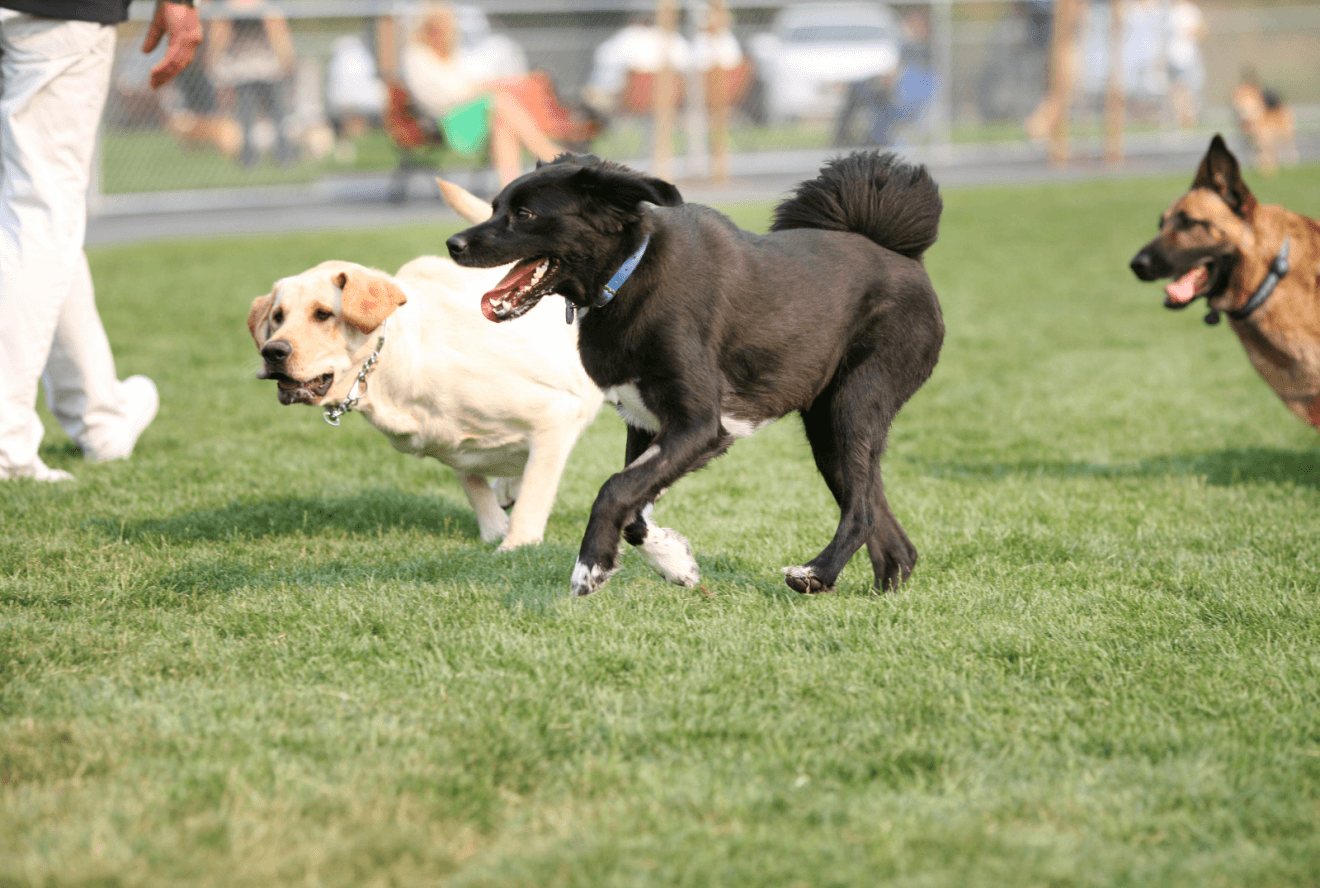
(665, 550)
(654, 463)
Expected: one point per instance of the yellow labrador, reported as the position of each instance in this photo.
(493, 401)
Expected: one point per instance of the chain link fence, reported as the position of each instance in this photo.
(935, 79)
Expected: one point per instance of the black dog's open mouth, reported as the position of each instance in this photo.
(520, 289)
(1204, 279)
(299, 391)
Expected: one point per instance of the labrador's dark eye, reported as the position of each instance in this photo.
(323, 315)
(524, 215)
(278, 317)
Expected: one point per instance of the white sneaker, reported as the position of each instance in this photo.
(37, 471)
(143, 402)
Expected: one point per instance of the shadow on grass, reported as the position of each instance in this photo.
(533, 578)
(1222, 467)
(456, 566)
(369, 512)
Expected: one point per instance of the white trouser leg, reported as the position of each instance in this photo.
(81, 387)
(54, 76)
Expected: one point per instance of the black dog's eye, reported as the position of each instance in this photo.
(323, 315)
(524, 215)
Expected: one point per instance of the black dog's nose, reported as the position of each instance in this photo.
(276, 351)
(457, 244)
(1141, 266)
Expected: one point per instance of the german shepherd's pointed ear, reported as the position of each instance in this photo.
(368, 300)
(1219, 172)
(259, 316)
(621, 186)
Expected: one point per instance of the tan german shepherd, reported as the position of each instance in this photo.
(1267, 122)
(1258, 264)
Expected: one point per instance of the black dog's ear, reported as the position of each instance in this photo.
(1220, 173)
(624, 187)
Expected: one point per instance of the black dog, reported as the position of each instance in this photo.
(719, 331)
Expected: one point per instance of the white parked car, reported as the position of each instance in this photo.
(814, 50)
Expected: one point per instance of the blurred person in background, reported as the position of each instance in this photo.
(1186, 69)
(506, 113)
(55, 61)
(355, 95)
(898, 97)
(643, 47)
(717, 53)
(194, 116)
(1143, 56)
(250, 56)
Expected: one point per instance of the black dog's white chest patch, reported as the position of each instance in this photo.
(628, 401)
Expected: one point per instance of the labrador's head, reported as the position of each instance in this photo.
(310, 326)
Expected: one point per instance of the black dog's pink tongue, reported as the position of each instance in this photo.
(496, 304)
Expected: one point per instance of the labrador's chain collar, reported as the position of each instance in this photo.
(355, 394)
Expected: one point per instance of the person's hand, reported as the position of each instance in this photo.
(184, 30)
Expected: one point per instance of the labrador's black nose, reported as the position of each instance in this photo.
(276, 351)
(457, 244)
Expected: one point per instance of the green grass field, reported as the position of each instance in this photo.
(267, 652)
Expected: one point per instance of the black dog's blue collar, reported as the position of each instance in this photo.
(620, 277)
(1278, 269)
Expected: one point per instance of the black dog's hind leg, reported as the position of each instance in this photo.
(666, 551)
(847, 428)
(654, 463)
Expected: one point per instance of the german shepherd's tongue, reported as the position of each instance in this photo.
(1183, 290)
(501, 303)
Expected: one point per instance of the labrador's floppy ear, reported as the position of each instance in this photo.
(1219, 172)
(368, 300)
(464, 202)
(257, 317)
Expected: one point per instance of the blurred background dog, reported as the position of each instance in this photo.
(1267, 122)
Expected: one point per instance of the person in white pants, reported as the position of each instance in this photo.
(54, 76)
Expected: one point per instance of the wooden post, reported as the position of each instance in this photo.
(1115, 106)
(664, 97)
(717, 84)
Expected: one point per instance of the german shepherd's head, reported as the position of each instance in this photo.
(568, 225)
(1198, 243)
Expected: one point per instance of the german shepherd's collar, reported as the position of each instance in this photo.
(1279, 269)
(1216, 241)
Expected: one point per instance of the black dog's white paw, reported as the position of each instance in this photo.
(804, 580)
(669, 554)
(586, 580)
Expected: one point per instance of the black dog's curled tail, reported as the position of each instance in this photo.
(873, 194)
